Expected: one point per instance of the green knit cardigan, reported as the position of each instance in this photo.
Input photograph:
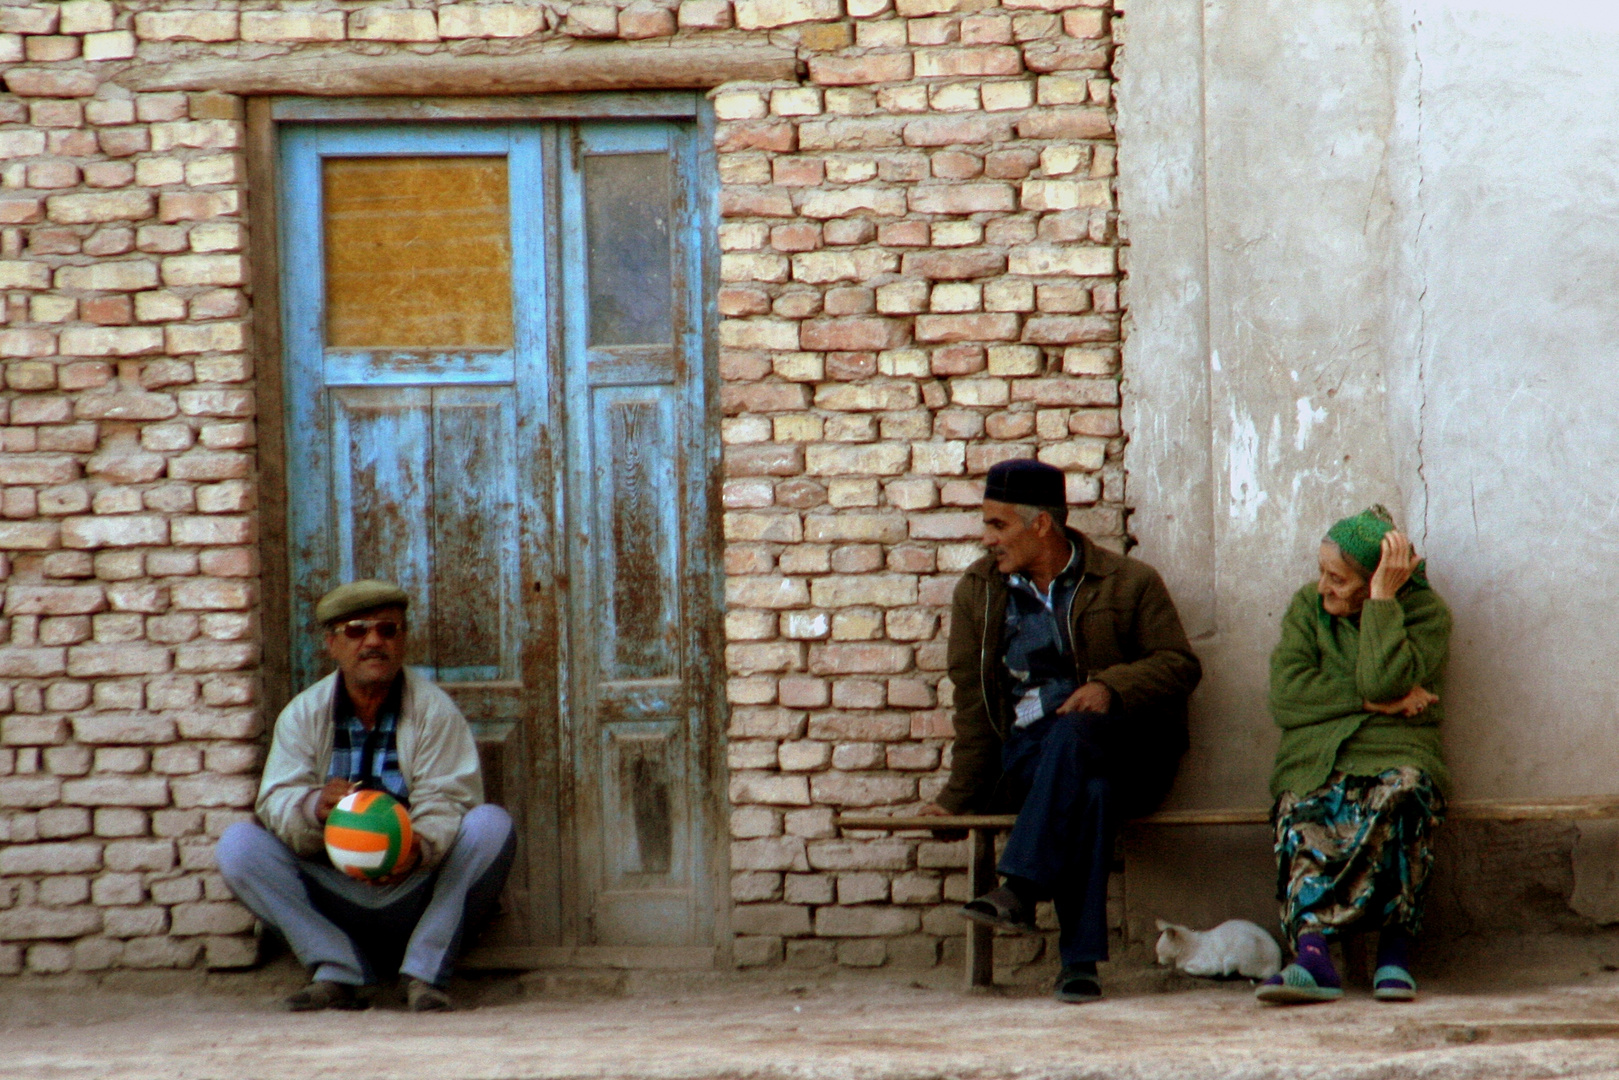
(1325, 667)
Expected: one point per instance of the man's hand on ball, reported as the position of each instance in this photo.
(334, 792)
(407, 863)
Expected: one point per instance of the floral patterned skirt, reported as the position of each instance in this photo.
(1358, 850)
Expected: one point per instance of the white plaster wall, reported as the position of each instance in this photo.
(1375, 257)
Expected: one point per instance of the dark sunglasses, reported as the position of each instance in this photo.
(357, 629)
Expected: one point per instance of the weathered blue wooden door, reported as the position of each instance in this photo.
(497, 397)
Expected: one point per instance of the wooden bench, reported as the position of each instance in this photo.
(981, 830)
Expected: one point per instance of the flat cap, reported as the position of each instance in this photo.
(1026, 482)
(358, 596)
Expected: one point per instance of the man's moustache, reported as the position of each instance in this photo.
(373, 654)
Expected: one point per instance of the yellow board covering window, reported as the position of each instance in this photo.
(418, 253)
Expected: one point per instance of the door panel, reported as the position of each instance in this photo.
(636, 510)
(474, 621)
(634, 389)
(417, 252)
(497, 397)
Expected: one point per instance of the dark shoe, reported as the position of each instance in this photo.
(323, 994)
(425, 997)
(1077, 987)
(1001, 907)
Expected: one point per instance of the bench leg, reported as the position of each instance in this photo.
(980, 879)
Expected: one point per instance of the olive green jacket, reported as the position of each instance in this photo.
(1127, 635)
(1325, 668)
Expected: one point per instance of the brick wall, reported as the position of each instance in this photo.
(919, 280)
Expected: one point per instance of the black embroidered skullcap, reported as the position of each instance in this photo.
(1026, 482)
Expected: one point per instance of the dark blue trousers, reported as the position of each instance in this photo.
(1056, 771)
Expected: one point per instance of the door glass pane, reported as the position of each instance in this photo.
(418, 253)
(627, 208)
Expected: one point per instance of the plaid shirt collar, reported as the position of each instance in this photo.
(369, 756)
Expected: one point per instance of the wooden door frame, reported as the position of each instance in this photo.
(264, 114)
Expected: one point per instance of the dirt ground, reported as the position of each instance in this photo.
(1554, 1022)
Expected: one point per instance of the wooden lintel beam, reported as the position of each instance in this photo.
(579, 68)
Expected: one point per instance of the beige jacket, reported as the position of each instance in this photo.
(437, 756)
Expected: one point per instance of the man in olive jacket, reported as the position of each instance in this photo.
(1071, 674)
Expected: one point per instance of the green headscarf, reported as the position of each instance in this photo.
(1360, 538)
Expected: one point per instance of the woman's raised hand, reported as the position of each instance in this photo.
(1395, 567)
(1414, 702)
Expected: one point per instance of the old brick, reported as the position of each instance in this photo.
(953, 130)
(1070, 329)
(861, 70)
(29, 792)
(778, 136)
(1044, 56)
(123, 728)
(765, 853)
(129, 530)
(772, 789)
(117, 790)
(852, 334)
(963, 198)
(52, 82)
(1043, 260)
(705, 14)
(766, 591)
(966, 62)
(837, 203)
(765, 14)
(29, 663)
(77, 857)
(204, 270)
(37, 469)
(958, 264)
(987, 326)
(292, 26)
(643, 20)
(782, 920)
(844, 658)
(55, 600)
(189, 25)
(35, 924)
(1067, 392)
(220, 917)
(1058, 123)
(371, 24)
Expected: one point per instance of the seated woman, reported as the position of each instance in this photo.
(1359, 781)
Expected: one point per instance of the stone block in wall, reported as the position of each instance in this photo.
(490, 20)
(777, 920)
(187, 25)
(392, 24)
(705, 15)
(767, 14)
(643, 19)
(286, 26)
(756, 951)
(591, 21)
(866, 921)
(34, 924)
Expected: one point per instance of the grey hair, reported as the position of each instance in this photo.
(1349, 560)
(1027, 513)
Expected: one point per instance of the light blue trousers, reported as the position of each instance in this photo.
(336, 924)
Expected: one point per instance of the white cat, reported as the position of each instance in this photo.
(1235, 947)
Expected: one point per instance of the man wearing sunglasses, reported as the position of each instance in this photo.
(372, 724)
